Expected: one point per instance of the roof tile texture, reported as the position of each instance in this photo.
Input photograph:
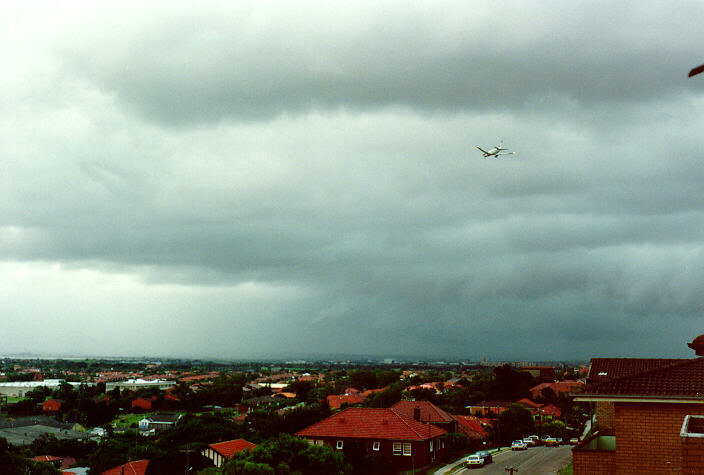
(371, 423)
(666, 378)
(231, 447)
(428, 411)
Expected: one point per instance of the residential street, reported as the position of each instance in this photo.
(534, 461)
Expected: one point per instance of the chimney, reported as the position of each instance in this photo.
(697, 345)
(416, 413)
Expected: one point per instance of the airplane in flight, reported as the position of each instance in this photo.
(496, 152)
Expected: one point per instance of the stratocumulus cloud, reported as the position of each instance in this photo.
(266, 179)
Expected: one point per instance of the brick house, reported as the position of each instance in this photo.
(395, 439)
(221, 451)
(647, 413)
(488, 408)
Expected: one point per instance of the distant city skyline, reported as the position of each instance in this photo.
(214, 180)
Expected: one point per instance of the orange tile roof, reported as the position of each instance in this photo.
(138, 467)
(231, 447)
(428, 411)
(371, 423)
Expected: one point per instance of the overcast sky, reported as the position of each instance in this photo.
(285, 178)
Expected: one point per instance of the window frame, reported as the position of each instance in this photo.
(397, 448)
(376, 446)
(340, 444)
(407, 449)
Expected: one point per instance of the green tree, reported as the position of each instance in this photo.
(386, 398)
(287, 453)
(509, 384)
(514, 423)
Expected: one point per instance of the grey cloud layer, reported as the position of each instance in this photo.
(321, 191)
(193, 65)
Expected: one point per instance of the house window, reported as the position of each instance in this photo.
(406, 449)
(375, 446)
(318, 442)
(397, 448)
(339, 444)
(431, 445)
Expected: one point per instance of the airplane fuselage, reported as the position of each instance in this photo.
(495, 152)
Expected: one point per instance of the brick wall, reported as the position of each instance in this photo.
(648, 437)
(593, 462)
(605, 415)
(692, 455)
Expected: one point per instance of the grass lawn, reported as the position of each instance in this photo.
(126, 420)
(14, 399)
(566, 470)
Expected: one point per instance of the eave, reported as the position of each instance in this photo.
(638, 398)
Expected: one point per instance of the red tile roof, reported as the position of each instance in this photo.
(336, 401)
(471, 427)
(428, 411)
(371, 423)
(46, 458)
(51, 405)
(66, 462)
(138, 467)
(602, 369)
(550, 410)
(683, 379)
(557, 387)
(231, 447)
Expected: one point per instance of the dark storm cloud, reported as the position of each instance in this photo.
(198, 64)
(322, 192)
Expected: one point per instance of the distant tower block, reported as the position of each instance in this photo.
(697, 345)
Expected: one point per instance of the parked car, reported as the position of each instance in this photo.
(474, 460)
(530, 442)
(486, 456)
(574, 441)
(560, 441)
(551, 442)
(519, 445)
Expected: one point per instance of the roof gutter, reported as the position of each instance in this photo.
(636, 398)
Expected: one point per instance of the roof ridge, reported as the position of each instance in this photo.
(679, 362)
(403, 419)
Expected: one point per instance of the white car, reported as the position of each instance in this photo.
(474, 461)
(529, 442)
(519, 445)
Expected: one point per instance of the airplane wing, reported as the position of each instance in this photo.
(696, 71)
(483, 151)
